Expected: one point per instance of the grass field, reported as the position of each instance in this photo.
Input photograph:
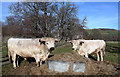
(111, 53)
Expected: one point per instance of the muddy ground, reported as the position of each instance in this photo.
(92, 67)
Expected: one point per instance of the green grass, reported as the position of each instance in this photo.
(4, 49)
(4, 53)
(113, 57)
(59, 50)
(112, 51)
(7, 67)
(112, 47)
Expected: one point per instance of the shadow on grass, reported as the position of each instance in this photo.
(90, 56)
(4, 60)
(4, 56)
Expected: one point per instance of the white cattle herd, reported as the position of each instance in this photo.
(40, 48)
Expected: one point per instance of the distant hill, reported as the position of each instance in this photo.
(105, 31)
(107, 34)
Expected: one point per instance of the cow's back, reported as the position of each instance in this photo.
(24, 47)
(92, 45)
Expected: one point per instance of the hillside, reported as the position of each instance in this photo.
(104, 30)
(107, 34)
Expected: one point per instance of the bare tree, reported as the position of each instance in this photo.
(65, 17)
(47, 18)
(36, 11)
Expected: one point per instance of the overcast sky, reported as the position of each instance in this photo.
(99, 14)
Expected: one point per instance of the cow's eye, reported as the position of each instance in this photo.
(47, 43)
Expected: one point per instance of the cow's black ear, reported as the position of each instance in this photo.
(42, 42)
(81, 42)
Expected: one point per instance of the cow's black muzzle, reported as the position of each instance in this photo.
(52, 48)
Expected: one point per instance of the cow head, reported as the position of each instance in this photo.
(76, 44)
(49, 42)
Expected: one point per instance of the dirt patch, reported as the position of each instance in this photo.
(92, 67)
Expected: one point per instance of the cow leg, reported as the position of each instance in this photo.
(17, 64)
(17, 61)
(98, 58)
(14, 60)
(40, 62)
(37, 61)
(101, 54)
(9, 55)
(86, 55)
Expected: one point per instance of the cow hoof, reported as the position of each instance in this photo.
(14, 67)
(38, 65)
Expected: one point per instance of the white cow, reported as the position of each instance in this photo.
(38, 48)
(85, 47)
